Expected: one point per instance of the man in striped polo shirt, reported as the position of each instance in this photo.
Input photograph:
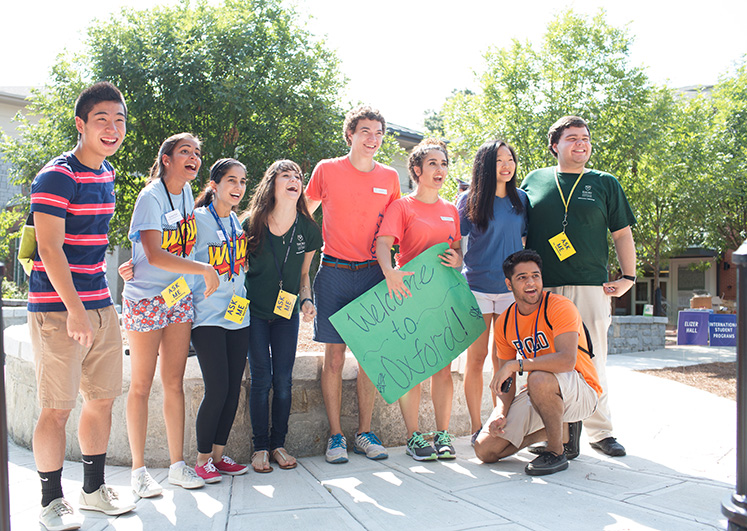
(74, 328)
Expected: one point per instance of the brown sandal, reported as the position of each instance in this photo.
(261, 462)
(281, 453)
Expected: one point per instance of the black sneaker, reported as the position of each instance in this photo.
(546, 463)
(572, 448)
(474, 436)
(419, 449)
(609, 446)
(442, 443)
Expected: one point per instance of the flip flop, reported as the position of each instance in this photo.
(285, 457)
(261, 462)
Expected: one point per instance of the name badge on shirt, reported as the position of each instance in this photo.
(174, 217)
(175, 292)
(562, 246)
(284, 304)
(237, 309)
(220, 235)
(381, 191)
(446, 218)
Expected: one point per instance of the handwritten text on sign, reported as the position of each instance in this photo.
(400, 343)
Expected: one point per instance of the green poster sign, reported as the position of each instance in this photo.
(400, 343)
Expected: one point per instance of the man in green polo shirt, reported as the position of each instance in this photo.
(571, 208)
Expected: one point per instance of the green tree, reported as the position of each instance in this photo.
(641, 134)
(724, 187)
(244, 76)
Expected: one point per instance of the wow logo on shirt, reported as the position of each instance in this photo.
(219, 258)
(172, 239)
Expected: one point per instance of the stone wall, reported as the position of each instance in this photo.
(308, 427)
(635, 333)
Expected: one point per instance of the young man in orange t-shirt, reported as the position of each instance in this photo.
(543, 334)
(354, 191)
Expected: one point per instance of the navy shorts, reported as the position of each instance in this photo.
(333, 289)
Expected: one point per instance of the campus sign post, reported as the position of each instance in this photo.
(735, 506)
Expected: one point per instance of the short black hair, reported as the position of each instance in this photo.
(520, 257)
(101, 91)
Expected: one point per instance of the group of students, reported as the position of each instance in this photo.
(234, 286)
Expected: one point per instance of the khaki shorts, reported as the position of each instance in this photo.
(64, 366)
(579, 401)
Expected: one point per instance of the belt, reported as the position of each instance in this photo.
(345, 264)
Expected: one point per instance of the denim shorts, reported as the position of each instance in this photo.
(147, 315)
(334, 288)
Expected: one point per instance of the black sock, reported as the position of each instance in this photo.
(93, 472)
(51, 486)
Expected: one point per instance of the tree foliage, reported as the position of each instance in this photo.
(641, 134)
(244, 76)
(724, 187)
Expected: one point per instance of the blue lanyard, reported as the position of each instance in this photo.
(534, 339)
(287, 251)
(183, 229)
(230, 244)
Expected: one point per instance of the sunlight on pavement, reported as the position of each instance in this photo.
(389, 477)
(207, 505)
(459, 469)
(349, 485)
(267, 490)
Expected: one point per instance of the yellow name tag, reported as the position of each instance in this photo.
(285, 304)
(562, 246)
(175, 292)
(237, 309)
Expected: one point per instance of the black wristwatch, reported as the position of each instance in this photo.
(629, 277)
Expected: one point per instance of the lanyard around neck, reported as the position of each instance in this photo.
(230, 244)
(183, 229)
(562, 197)
(519, 342)
(287, 251)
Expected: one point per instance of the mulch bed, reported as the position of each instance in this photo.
(719, 378)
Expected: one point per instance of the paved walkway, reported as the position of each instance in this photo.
(679, 468)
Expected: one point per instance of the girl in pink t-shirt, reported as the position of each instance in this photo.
(418, 222)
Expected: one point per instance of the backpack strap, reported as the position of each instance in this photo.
(505, 321)
(590, 351)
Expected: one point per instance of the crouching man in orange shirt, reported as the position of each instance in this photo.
(542, 334)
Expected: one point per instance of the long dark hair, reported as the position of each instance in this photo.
(158, 170)
(254, 219)
(219, 168)
(482, 190)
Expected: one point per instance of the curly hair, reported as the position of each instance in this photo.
(419, 152)
(361, 112)
(481, 193)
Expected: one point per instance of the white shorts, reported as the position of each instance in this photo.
(493, 302)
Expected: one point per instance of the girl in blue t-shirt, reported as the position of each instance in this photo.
(162, 231)
(493, 217)
(220, 337)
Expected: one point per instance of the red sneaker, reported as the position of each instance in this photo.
(208, 472)
(228, 466)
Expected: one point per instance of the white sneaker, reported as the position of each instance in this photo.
(143, 484)
(104, 500)
(337, 449)
(369, 444)
(185, 477)
(58, 516)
